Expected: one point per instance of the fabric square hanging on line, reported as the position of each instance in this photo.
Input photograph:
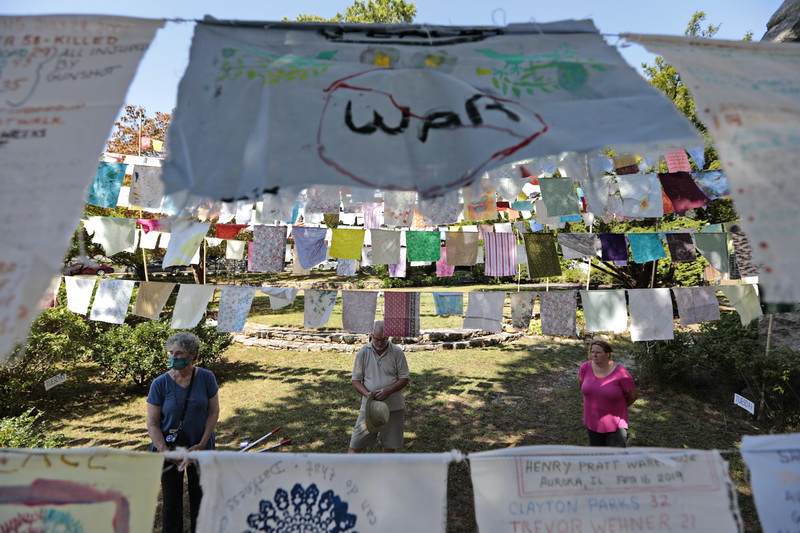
(543, 261)
(645, 247)
(522, 309)
(714, 247)
(111, 301)
(651, 314)
(401, 313)
(358, 311)
(485, 311)
(385, 246)
(79, 293)
(346, 243)
(681, 247)
(151, 298)
(605, 310)
(268, 248)
(185, 241)
(113, 234)
(398, 208)
(310, 245)
(614, 247)
(318, 308)
(641, 196)
(443, 270)
(683, 192)
(558, 195)
(449, 303)
(501, 254)
(190, 306)
(423, 245)
(696, 304)
(743, 298)
(234, 307)
(558, 311)
(104, 189)
(147, 189)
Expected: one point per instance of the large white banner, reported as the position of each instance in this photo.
(251, 492)
(63, 80)
(748, 95)
(576, 489)
(774, 463)
(92, 490)
(270, 105)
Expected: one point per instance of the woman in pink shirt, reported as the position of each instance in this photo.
(608, 389)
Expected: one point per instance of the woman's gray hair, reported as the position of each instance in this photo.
(186, 341)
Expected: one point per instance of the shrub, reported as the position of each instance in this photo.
(58, 340)
(26, 431)
(136, 353)
(724, 353)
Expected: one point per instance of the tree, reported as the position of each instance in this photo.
(370, 12)
(666, 78)
(135, 125)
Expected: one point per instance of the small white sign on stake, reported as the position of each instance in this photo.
(55, 380)
(744, 403)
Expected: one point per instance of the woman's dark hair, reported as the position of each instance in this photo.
(602, 344)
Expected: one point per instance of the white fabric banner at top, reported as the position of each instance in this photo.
(322, 492)
(64, 81)
(92, 490)
(576, 489)
(774, 463)
(421, 108)
(748, 95)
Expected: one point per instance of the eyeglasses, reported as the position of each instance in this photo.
(177, 353)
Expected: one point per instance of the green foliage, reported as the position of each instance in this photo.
(369, 12)
(26, 431)
(57, 342)
(724, 353)
(136, 352)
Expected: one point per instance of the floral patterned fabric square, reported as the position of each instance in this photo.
(269, 248)
(318, 308)
(398, 208)
(522, 309)
(558, 311)
(234, 307)
(449, 303)
(111, 301)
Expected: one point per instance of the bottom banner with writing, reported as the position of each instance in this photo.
(570, 489)
(250, 492)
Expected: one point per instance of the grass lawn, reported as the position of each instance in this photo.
(519, 394)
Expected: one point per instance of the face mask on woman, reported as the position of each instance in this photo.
(178, 363)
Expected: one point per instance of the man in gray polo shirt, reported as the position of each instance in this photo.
(380, 369)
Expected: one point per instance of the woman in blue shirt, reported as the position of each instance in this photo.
(183, 387)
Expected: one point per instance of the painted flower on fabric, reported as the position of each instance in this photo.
(644, 204)
(380, 56)
(440, 60)
(304, 510)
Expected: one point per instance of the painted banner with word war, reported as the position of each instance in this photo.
(264, 106)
